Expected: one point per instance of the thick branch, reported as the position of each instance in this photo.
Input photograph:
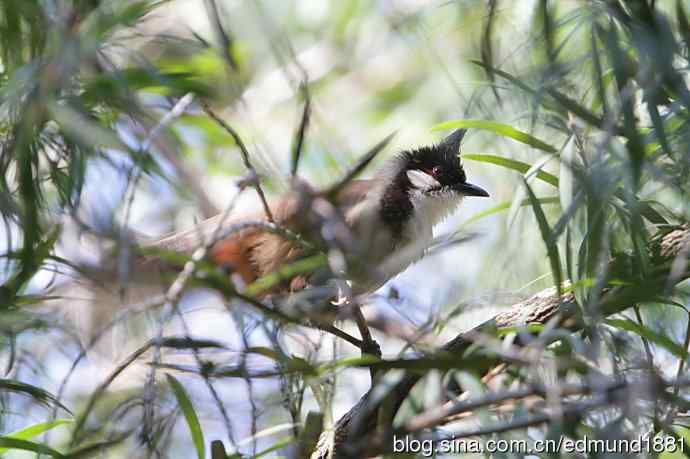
(668, 250)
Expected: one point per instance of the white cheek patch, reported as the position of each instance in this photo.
(421, 180)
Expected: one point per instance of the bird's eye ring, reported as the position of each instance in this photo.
(435, 171)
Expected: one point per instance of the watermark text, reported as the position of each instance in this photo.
(584, 445)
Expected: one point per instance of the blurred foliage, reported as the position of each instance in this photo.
(580, 111)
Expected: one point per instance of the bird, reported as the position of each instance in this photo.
(384, 223)
(371, 230)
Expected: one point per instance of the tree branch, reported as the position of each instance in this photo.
(245, 157)
(668, 250)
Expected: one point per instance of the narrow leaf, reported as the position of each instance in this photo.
(361, 164)
(37, 393)
(507, 76)
(547, 236)
(185, 342)
(218, 450)
(189, 415)
(487, 46)
(30, 432)
(505, 205)
(649, 335)
(566, 176)
(298, 141)
(282, 443)
(558, 102)
(308, 438)
(503, 130)
(98, 448)
(303, 266)
(25, 445)
(511, 164)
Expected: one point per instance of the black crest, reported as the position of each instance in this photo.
(442, 161)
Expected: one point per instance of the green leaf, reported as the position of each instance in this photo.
(37, 393)
(282, 443)
(507, 76)
(547, 236)
(566, 177)
(34, 430)
(98, 448)
(189, 415)
(511, 164)
(650, 335)
(98, 25)
(303, 266)
(505, 205)
(497, 128)
(311, 430)
(25, 445)
(529, 328)
(83, 129)
(487, 49)
(348, 362)
(681, 435)
(185, 342)
(31, 258)
(265, 351)
(218, 450)
(560, 103)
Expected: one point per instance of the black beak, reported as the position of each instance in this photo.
(471, 190)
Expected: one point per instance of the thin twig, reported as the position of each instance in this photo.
(187, 174)
(369, 345)
(438, 414)
(162, 341)
(359, 166)
(238, 321)
(302, 130)
(681, 365)
(222, 231)
(541, 308)
(264, 226)
(209, 384)
(529, 421)
(645, 343)
(172, 296)
(136, 173)
(345, 336)
(245, 157)
(604, 395)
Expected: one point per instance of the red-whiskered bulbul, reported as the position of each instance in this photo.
(389, 219)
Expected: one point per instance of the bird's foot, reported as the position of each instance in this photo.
(371, 347)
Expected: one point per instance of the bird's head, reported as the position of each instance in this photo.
(436, 171)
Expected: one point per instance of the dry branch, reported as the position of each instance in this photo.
(668, 250)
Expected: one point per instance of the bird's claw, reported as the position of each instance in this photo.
(371, 347)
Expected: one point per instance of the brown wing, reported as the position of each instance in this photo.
(253, 252)
(354, 192)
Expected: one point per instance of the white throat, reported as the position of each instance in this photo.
(429, 211)
(417, 233)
